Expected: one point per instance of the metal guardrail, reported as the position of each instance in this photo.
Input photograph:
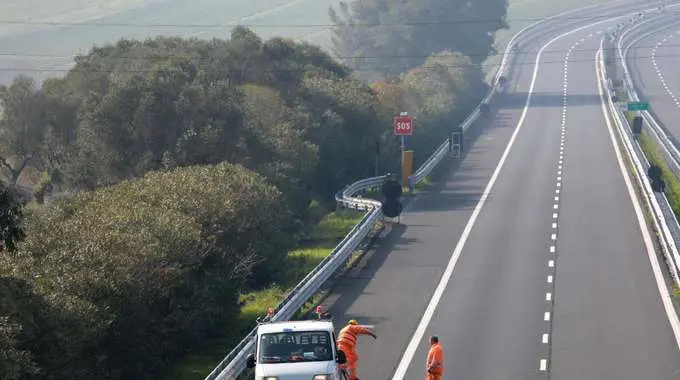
(235, 362)
(660, 218)
(666, 142)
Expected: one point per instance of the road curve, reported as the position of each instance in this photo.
(652, 61)
(551, 270)
(609, 321)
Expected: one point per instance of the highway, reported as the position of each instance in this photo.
(30, 54)
(531, 259)
(652, 61)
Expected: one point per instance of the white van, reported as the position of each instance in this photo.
(296, 350)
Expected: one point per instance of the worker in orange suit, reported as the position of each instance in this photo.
(435, 360)
(347, 341)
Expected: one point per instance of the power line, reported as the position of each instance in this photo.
(312, 69)
(384, 56)
(231, 25)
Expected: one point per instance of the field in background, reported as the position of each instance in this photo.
(43, 52)
(109, 20)
(17, 15)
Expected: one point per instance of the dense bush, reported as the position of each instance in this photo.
(130, 275)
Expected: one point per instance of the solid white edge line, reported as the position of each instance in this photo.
(673, 319)
(417, 336)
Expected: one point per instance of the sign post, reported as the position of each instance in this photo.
(403, 126)
(638, 106)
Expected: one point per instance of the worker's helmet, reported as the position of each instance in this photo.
(353, 322)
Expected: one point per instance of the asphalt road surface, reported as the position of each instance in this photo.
(44, 52)
(554, 278)
(653, 63)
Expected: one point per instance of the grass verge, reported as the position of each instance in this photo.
(655, 157)
(324, 237)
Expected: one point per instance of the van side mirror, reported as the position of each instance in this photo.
(250, 361)
(342, 359)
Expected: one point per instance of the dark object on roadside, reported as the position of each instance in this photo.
(391, 189)
(654, 172)
(658, 186)
(391, 207)
(656, 180)
(637, 125)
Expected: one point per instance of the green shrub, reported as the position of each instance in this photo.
(134, 274)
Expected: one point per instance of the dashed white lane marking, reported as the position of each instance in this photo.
(659, 74)
(543, 366)
(416, 338)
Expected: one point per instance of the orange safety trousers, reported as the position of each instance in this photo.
(352, 359)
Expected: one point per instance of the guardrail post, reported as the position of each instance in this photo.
(456, 143)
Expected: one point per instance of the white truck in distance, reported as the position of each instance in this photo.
(296, 350)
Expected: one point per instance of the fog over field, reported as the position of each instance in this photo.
(38, 37)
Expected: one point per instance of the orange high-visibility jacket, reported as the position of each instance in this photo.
(435, 359)
(348, 335)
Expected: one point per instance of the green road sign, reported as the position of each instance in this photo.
(638, 106)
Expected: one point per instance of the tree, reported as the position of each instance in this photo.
(132, 275)
(11, 215)
(387, 37)
(23, 124)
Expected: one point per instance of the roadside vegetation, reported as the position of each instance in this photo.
(166, 191)
(656, 158)
(299, 262)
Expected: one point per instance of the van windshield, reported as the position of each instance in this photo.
(300, 346)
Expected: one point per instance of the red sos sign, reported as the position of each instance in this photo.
(403, 125)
